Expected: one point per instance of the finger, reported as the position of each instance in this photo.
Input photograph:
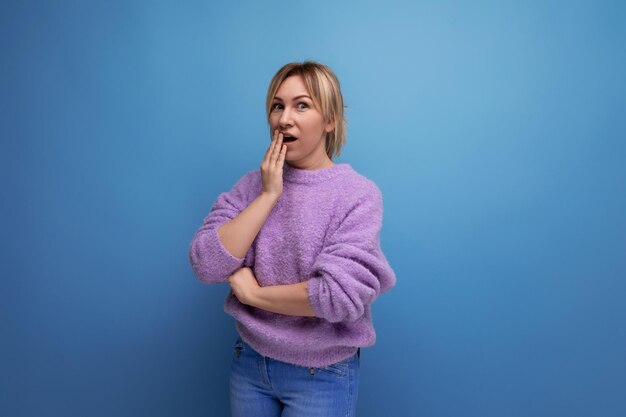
(270, 148)
(276, 149)
(281, 158)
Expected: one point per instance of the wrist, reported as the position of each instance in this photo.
(271, 197)
(253, 296)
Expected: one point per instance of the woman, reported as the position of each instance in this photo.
(298, 242)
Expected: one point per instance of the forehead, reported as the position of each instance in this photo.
(291, 87)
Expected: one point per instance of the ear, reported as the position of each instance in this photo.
(330, 126)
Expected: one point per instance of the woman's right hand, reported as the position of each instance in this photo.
(272, 166)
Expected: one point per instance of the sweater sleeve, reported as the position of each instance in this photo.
(209, 258)
(351, 270)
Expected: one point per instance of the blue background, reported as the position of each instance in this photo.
(495, 131)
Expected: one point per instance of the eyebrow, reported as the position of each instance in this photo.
(303, 95)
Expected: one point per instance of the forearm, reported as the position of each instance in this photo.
(291, 299)
(238, 234)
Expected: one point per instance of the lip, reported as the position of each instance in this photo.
(287, 142)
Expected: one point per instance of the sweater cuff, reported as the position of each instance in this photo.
(313, 288)
(223, 263)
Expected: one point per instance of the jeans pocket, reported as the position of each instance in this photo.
(339, 368)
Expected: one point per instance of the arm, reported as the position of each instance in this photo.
(289, 299)
(221, 244)
(216, 251)
(238, 234)
(351, 270)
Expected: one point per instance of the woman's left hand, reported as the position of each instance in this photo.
(244, 284)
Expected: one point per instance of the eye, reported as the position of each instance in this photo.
(306, 106)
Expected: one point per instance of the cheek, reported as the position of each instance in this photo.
(312, 126)
(317, 124)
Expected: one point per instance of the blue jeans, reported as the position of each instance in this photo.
(264, 387)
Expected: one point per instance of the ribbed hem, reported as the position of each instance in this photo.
(277, 351)
(313, 176)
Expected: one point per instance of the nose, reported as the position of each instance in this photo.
(285, 120)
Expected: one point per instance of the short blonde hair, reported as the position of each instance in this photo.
(323, 86)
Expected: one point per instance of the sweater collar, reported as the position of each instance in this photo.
(312, 176)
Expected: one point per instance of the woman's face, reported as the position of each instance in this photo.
(294, 114)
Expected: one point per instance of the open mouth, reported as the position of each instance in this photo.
(289, 139)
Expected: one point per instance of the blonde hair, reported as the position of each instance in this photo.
(323, 86)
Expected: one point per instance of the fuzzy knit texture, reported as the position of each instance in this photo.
(324, 229)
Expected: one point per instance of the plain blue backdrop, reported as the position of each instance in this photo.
(495, 130)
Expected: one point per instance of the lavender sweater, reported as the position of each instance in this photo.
(325, 229)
